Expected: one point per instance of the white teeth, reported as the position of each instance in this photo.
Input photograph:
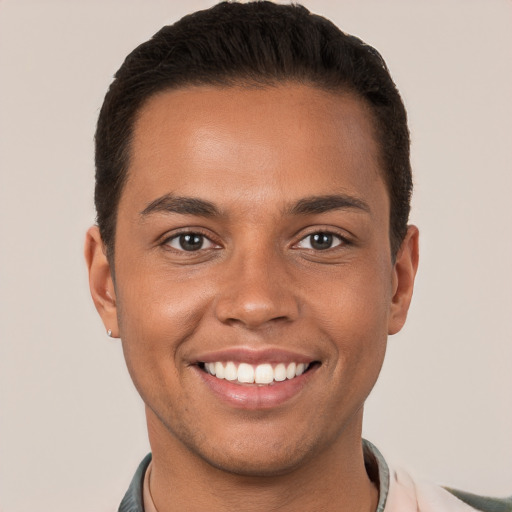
(219, 370)
(230, 373)
(260, 374)
(290, 371)
(280, 372)
(245, 373)
(299, 370)
(264, 374)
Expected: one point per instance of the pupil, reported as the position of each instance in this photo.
(191, 242)
(321, 241)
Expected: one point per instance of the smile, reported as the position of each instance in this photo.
(261, 374)
(245, 378)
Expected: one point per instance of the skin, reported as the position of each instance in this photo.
(256, 283)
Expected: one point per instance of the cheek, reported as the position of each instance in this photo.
(353, 315)
(356, 301)
(154, 300)
(156, 315)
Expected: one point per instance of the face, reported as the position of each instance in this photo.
(255, 287)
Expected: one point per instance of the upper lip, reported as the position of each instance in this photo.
(254, 356)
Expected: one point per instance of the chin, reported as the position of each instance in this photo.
(257, 454)
(262, 464)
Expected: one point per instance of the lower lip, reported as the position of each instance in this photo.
(254, 396)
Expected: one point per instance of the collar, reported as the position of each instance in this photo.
(376, 467)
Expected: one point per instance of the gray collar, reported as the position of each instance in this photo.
(378, 471)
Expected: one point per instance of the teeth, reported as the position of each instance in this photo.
(280, 372)
(290, 370)
(260, 374)
(231, 373)
(219, 370)
(264, 374)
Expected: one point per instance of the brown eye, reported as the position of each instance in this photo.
(190, 242)
(320, 241)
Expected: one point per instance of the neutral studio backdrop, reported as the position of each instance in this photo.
(72, 427)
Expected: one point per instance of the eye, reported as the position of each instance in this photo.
(320, 241)
(190, 242)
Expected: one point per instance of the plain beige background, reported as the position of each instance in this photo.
(72, 428)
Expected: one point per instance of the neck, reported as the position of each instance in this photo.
(332, 480)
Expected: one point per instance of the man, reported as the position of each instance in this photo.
(253, 254)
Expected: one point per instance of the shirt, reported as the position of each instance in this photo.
(398, 491)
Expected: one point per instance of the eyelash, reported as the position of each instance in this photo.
(341, 241)
(195, 232)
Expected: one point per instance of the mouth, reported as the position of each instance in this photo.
(263, 374)
(256, 380)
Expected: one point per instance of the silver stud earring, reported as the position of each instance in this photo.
(109, 333)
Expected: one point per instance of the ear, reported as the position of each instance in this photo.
(404, 272)
(100, 280)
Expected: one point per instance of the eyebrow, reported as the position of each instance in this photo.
(170, 203)
(320, 204)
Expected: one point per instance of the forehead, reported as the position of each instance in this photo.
(242, 143)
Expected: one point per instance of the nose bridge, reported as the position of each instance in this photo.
(256, 287)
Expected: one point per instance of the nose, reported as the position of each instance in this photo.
(257, 291)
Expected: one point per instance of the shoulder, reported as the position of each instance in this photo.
(483, 503)
(406, 492)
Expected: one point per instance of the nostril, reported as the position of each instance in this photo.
(256, 303)
(254, 316)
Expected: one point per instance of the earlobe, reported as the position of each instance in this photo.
(100, 280)
(404, 273)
